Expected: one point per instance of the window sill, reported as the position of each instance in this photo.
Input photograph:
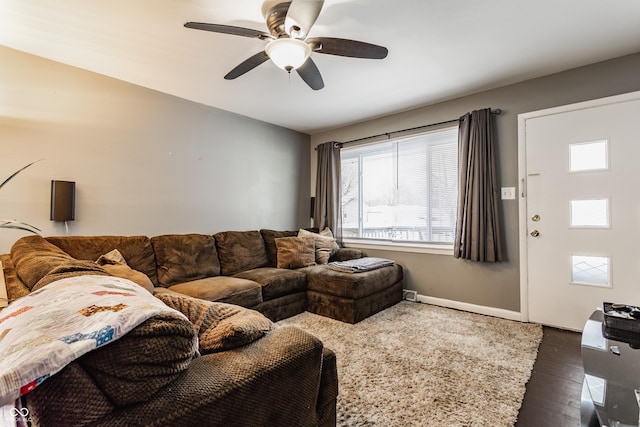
(385, 245)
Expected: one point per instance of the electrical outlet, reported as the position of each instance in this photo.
(508, 193)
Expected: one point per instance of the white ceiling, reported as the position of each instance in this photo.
(438, 49)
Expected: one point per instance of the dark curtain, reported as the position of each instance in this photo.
(326, 212)
(477, 227)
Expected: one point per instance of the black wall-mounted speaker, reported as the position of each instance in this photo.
(63, 200)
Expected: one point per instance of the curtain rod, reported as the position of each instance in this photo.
(497, 112)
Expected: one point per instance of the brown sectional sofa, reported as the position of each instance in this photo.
(284, 378)
(236, 267)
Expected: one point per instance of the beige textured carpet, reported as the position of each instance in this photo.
(422, 365)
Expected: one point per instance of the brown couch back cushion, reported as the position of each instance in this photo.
(136, 250)
(240, 251)
(71, 268)
(34, 257)
(270, 236)
(185, 257)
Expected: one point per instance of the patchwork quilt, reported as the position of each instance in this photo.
(46, 330)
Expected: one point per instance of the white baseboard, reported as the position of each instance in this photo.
(473, 308)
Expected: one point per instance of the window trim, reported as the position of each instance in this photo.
(398, 246)
(444, 248)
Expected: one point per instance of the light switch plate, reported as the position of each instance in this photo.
(508, 193)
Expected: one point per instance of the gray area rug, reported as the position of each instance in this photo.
(423, 365)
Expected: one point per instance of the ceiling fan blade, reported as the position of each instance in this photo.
(301, 16)
(247, 65)
(229, 29)
(345, 47)
(310, 74)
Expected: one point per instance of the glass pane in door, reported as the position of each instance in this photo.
(590, 270)
(588, 156)
(592, 213)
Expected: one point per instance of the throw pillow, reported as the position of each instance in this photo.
(327, 233)
(295, 252)
(323, 245)
(115, 264)
(113, 257)
(126, 272)
(220, 326)
(269, 237)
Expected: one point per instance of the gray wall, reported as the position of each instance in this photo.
(143, 162)
(149, 163)
(497, 286)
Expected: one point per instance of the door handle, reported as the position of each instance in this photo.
(534, 233)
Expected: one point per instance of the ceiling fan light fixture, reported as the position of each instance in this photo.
(287, 53)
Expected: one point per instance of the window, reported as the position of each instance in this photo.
(402, 190)
(588, 156)
(593, 213)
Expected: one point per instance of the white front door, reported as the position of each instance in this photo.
(580, 209)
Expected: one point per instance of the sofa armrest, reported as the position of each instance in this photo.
(328, 390)
(14, 286)
(345, 254)
(274, 381)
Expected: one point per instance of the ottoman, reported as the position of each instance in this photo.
(351, 297)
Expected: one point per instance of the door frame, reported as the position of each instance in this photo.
(522, 180)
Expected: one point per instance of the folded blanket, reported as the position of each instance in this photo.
(46, 330)
(360, 265)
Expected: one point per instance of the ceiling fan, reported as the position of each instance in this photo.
(289, 23)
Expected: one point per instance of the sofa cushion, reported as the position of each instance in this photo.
(240, 250)
(323, 279)
(185, 257)
(295, 252)
(126, 272)
(137, 250)
(133, 368)
(276, 282)
(345, 254)
(34, 258)
(220, 326)
(71, 268)
(231, 290)
(270, 236)
(115, 264)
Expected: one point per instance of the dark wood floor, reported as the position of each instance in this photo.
(553, 392)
